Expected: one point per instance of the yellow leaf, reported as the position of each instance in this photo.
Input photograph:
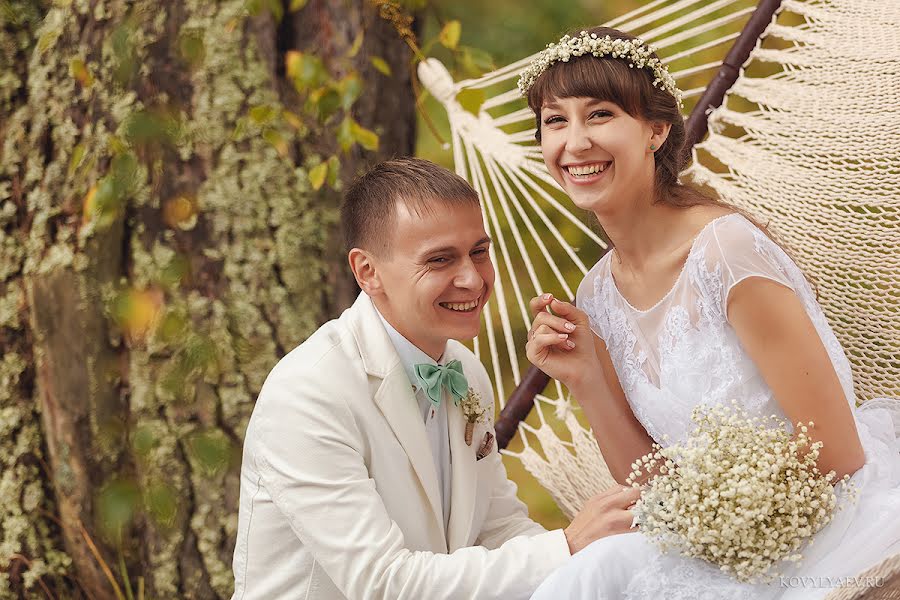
(357, 44)
(262, 114)
(293, 62)
(345, 134)
(277, 140)
(89, 204)
(364, 137)
(77, 157)
(449, 35)
(48, 40)
(180, 212)
(139, 311)
(317, 175)
(79, 71)
(380, 64)
(293, 120)
(296, 5)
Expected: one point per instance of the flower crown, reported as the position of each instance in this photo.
(634, 51)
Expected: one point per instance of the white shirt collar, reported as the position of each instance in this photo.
(410, 355)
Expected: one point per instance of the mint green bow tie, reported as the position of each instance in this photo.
(434, 378)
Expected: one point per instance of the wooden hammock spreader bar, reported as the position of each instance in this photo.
(728, 72)
(520, 402)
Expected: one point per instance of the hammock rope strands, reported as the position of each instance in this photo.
(811, 144)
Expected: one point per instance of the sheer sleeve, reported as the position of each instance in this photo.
(739, 250)
(588, 299)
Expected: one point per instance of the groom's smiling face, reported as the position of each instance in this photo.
(437, 274)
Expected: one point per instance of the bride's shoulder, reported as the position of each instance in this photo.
(594, 275)
(732, 237)
(592, 284)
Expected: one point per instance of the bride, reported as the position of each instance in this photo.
(697, 304)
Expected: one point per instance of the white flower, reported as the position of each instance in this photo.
(636, 52)
(741, 493)
(472, 407)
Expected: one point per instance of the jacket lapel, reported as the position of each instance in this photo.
(463, 483)
(394, 397)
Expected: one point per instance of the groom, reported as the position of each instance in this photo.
(358, 478)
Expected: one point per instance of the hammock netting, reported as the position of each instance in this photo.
(806, 139)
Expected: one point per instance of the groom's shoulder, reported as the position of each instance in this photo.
(325, 361)
(327, 344)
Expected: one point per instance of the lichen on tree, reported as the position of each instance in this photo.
(162, 245)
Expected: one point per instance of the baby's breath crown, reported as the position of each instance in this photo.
(634, 51)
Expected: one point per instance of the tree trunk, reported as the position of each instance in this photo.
(162, 245)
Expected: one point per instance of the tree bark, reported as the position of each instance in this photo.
(162, 246)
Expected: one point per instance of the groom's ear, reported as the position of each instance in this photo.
(364, 271)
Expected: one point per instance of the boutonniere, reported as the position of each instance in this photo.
(474, 412)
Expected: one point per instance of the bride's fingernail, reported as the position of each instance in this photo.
(563, 336)
(547, 296)
(570, 343)
(570, 326)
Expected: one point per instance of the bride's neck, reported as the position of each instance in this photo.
(641, 233)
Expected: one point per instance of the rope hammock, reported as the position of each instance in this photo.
(807, 136)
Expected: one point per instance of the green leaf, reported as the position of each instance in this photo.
(326, 102)
(449, 35)
(173, 326)
(263, 114)
(77, 157)
(117, 503)
(345, 134)
(211, 450)
(317, 175)
(357, 44)
(474, 61)
(334, 171)
(296, 5)
(257, 7)
(305, 70)
(144, 441)
(48, 40)
(366, 138)
(191, 47)
(471, 100)
(145, 127)
(380, 64)
(350, 88)
(106, 200)
(121, 45)
(276, 8)
(162, 504)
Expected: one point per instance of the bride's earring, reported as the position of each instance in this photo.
(652, 146)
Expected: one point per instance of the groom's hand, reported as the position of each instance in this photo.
(605, 514)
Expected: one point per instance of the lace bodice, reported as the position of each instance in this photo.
(683, 352)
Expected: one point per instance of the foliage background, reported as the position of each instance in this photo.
(160, 161)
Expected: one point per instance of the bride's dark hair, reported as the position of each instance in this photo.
(611, 79)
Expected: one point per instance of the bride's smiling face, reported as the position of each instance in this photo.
(596, 151)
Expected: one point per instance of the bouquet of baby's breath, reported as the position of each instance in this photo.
(742, 493)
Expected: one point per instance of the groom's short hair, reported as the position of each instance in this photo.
(370, 204)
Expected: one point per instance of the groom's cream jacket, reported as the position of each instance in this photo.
(339, 492)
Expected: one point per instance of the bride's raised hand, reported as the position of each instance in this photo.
(560, 344)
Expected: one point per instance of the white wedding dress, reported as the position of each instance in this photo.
(683, 352)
